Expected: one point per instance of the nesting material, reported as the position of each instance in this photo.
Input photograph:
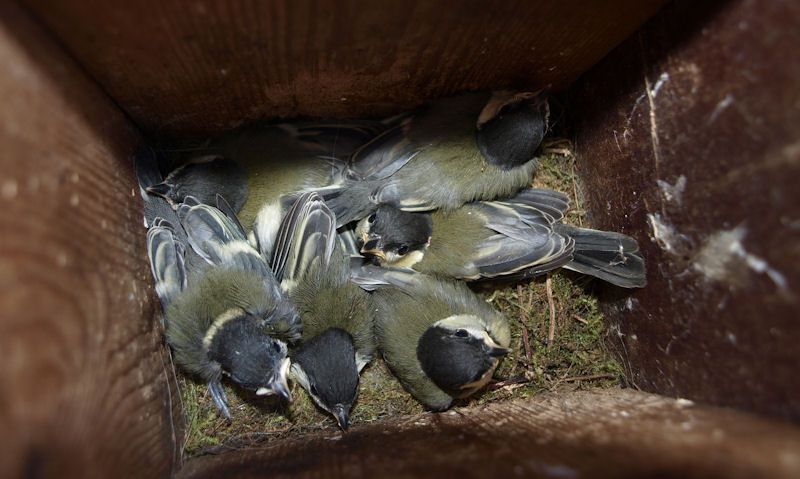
(576, 357)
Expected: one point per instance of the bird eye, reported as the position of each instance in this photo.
(462, 333)
(276, 347)
(371, 218)
(402, 250)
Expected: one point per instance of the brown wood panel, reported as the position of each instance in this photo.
(193, 68)
(689, 138)
(598, 434)
(84, 378)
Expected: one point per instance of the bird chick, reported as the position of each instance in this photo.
(514, 238)
(474, 146)
(439, 339)
(225, 313)
(337, 339)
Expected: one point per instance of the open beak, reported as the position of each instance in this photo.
(373, 246)
(342, 415)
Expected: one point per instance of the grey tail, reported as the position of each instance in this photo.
(612, 257)
(350, 202)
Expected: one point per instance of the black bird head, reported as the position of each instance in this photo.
(391, 234)
(251, 358)
(326, 367)
(511, 127)
(459, 355)
(204, 178)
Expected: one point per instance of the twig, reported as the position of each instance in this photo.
(525, 340)
(579, 319)
(509, 382)
(552, 333)
(591, 377)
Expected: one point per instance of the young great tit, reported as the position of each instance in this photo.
(514, 239)
(338, 339)
(225, 313)
(440, 339)
(474, 146)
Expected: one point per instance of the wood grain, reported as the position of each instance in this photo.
(689, 139)
(84, 379)
(598, 434)
(193, 68)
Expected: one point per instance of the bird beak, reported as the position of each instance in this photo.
(374, 247)
(340, 412)
(278, 385)
(492, 348)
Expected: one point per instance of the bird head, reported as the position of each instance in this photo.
(511, 127)
(396, 237)
(252, 359)
(326, 367)
(459, 355)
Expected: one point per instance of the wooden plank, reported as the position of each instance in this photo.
(84, 378)
(598, 434)
(194, 68)
(689, 138)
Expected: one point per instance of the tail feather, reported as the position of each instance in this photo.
(612, 257)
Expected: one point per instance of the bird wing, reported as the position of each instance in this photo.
(524, 240)
(384, 155)
(307, 232)
(227, 210)
(551, 203)
(334, 139)
(218, 239)
(166, 254)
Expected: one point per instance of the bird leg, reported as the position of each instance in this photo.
(219, 397)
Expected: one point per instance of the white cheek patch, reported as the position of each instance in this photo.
(361, 361)
(266, 225)
(300, 376)
(297, 373)
(406, 261)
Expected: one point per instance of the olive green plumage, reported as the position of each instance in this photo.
(433, 160)
(325, 298)
(444, 135)
(403, 314)
(337, 340)
(446, 253)
(276, 164)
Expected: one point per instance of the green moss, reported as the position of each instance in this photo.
(576, 357)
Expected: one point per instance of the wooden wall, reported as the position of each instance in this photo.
(689, 138)
(597, 434)
(192, 68)
(83, 375)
